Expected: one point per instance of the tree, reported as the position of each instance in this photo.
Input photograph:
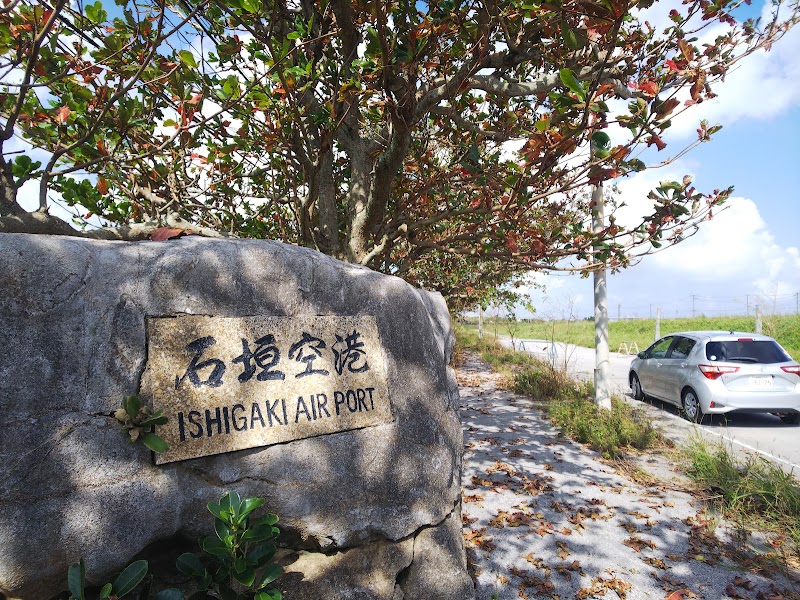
(377, 132)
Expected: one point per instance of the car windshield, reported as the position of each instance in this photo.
(751, 351)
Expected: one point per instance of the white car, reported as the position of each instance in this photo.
(717, 372)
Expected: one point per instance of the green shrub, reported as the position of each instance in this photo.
(750, 490)
(122, 585)
(541, 382)
(238, 563)
(607, 432)
(236, 566)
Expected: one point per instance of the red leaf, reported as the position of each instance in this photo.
(167, 233)
(102, 186)
(62, 114)
(649, 87)
(654, 139)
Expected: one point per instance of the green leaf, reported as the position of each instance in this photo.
(271, 573)
(259, 533)
(215, 546)
(269, 595)
(190, 564)
(106, 591)
(568, 79)
(130, 577)
(187, 58)
(156, 419)
(24, 166)
(267, 519)
(132, 405)
(247, 577)
(249, 505)
(261, 554)
(252, 6)
(154, 442)
(240, 565)
(95, 12)
(215, 509)
(76, 580)
(574, 39)
(230, 503)
(222, 530)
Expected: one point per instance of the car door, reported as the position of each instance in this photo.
(674, 368)
(650, 369)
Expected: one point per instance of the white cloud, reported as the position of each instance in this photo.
(760, 87)
(735, 243)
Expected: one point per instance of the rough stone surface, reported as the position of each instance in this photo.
(74, 335)
(350, 574)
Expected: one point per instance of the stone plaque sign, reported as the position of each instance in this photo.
(232, 383)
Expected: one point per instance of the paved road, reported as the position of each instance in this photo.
(764, 434)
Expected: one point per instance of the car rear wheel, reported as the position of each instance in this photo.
(691, 407)
(636, 387)
(791, 418)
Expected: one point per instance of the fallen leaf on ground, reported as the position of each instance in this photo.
(655, 562)
(473, 498)
(743, 583)
(730, 589)
(638, 543)
(680, 595)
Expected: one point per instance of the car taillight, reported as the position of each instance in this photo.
(715, 372)
(794, 370)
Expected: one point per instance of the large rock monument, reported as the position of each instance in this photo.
(320, 386)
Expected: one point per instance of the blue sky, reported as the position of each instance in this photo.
(750, 252)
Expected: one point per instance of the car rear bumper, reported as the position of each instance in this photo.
(774, 402)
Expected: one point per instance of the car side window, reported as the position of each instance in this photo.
(659, 349)
(683, 346)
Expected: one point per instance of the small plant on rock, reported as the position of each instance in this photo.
(139, 423)
(238, 555)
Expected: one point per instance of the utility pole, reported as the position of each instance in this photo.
(480, 321)
(693, 297)
(658, 324)
(602, 383)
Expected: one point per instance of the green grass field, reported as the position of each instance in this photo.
(784, 328)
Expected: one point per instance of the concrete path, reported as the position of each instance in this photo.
(544, 517)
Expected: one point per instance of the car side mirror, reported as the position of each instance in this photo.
(642, 355)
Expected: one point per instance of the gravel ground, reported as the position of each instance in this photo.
(545, 517)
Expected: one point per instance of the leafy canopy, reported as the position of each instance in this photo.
(450, 142)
